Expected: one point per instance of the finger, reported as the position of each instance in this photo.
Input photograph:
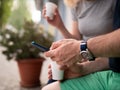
(50, 53)
(67, 62)
(56, 59)
(55, 45)
(50, 77)
(56, 12)
(64, 67)
(72, 60)
(48, 19)
(43, 12)
(49, 66)
(59, 62)
(49, 72)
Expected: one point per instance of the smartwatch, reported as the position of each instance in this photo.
(85, 53)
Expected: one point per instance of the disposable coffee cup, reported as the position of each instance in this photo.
(57, 74)
(50, 9)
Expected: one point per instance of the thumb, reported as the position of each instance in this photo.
(49, 53)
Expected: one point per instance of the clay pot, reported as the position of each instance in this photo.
(29, 71)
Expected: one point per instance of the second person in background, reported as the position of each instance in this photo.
(90, 18)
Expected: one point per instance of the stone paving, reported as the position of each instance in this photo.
(9, 75)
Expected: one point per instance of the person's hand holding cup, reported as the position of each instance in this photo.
(50, 9)
(57, 73)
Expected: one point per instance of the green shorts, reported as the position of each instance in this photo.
(104, 80)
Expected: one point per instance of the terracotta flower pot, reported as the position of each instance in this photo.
(29, 71)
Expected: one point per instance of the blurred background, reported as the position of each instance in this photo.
(20, 24)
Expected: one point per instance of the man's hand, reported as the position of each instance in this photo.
(65, 52)
(69, 72)
(83, 68)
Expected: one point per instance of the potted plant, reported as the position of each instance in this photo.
(18, 46)
(17, 39)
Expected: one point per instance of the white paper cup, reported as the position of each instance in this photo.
(50, 9)
(57, 74)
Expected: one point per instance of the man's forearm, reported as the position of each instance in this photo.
(99, 64)
(105, 45)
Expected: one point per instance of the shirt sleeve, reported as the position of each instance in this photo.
(114, 64)
(116, 21)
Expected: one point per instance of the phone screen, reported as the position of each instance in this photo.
(42, 48)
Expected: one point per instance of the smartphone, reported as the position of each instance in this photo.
(42, 48)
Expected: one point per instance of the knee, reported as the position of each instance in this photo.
(44, 88)
(52, 86)
(47, 87)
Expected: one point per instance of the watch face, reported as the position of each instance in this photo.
(84, 54)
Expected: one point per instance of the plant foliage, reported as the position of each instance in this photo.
(5, 11)
(18, 42)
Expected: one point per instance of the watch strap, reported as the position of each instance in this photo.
(84, 48)
(91, 56)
